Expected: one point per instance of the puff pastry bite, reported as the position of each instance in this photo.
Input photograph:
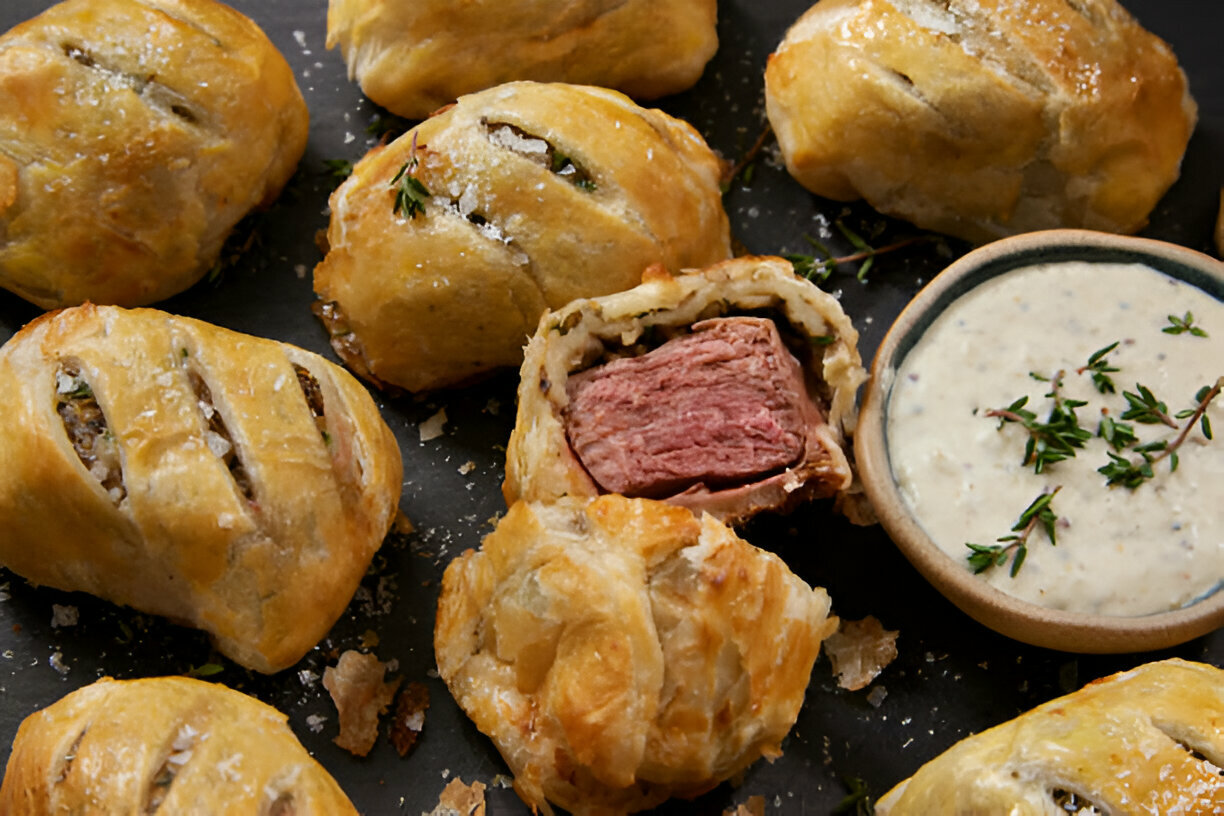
(982, 118)
(165, 745)
(231, 483)
(414, 57)
(1149, 740)
(622, 651)
(134, 134)
(729, 390)
(518, 199)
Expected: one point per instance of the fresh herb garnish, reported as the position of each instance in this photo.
(410, 193)
(1118, 435)
(1131, 473)
(563, 165)
(857, 801)
(1051, 441)
(819, 269)
(745, 167)
(1145, 408)
(338, 169)
(1039, 513)
(1101, 369)
(1181, 325)
(205, 670)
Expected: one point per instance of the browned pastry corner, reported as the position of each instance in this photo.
(622, 651)
(414, 57)
(729, 390)
(231, 483)
(1149, 740)
(448, 244)
(134, 134)
(982, 118)
(165, 745)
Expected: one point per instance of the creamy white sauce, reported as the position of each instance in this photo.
(1120, 551)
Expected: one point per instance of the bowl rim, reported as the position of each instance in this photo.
(1021, 620)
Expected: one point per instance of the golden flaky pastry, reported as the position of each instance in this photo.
(134, 134)
(518, 199)
(231, 483)
(414, 56)
(1149, 740)
(982, 118)
(622, 651)
(165, 745)
(691, 427)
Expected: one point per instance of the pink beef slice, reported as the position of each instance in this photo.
(716, 409)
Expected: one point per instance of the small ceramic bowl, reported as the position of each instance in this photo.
(1021, 620)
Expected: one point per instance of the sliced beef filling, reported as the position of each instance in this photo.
(88, 431)
(721, 407)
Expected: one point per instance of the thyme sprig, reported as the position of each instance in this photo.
(410, 193)
(1182, 325)
(857, 801)
(1039, 513)
(1131, 473)
(1101, 369)
(818, 269)
(745, 168)
(1055, 439)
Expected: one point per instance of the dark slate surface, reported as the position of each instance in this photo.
(952, 677)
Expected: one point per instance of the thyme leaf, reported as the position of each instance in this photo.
(818, 269)
(338, 169)
(1182, 325)
(1101, 369)
(1014, 547)
(205, 670)
(1131, 473)
(857, 801)
(1051, 441)
(410, 193)
(1145, 408)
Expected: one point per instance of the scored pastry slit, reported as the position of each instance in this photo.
(337, 435)
(70, 756)
(1072, 802)
(156, 95)
(539, 150)
(218, 438)
(179, 754)
(88, 430)
(282, 805)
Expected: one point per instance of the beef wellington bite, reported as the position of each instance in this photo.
(163, 745)
(447, 245)
(729, 390)
(414, 57)
(620, 652)
(134, 135)
(231, 483)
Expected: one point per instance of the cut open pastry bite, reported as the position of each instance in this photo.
(623, 651)
(447, 245)
(231, 483)
(414, 57)
(729, 390)
(1142, 741)
(164, 745)
(134, 135)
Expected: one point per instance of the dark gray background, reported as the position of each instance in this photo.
(952, 678)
